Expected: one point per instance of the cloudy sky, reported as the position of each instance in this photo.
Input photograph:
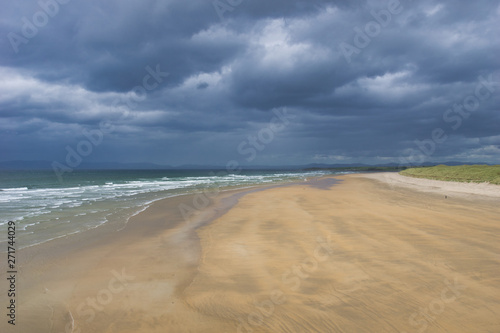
(260, 82)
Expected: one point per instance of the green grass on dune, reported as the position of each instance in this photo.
(461, 173)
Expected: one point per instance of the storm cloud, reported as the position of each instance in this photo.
(189, 82)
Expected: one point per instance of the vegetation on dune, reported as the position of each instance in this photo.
(461, 173)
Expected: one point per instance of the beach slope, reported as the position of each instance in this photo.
(362, 255)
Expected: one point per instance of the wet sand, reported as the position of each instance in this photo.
(361, 255)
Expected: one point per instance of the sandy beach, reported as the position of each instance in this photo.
(369, 253)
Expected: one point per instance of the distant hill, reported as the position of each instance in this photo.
(47, 165)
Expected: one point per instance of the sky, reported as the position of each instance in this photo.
(250, 82)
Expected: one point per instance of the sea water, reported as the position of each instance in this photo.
(46, 208)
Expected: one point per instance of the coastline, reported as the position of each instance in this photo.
(357, 255)
(43, 210)
(43, 266)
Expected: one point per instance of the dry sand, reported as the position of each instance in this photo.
(361, 256)
(460, 189)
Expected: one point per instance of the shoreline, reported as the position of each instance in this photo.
(80, 205)
(207, 274)
(113, 222)
(49, 258)
(54, 260)
(54, 250)
(390, 178)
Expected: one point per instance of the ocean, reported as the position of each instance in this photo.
(45, 208)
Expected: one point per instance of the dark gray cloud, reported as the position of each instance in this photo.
(191, 81)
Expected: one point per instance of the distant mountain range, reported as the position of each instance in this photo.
(47, 165)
